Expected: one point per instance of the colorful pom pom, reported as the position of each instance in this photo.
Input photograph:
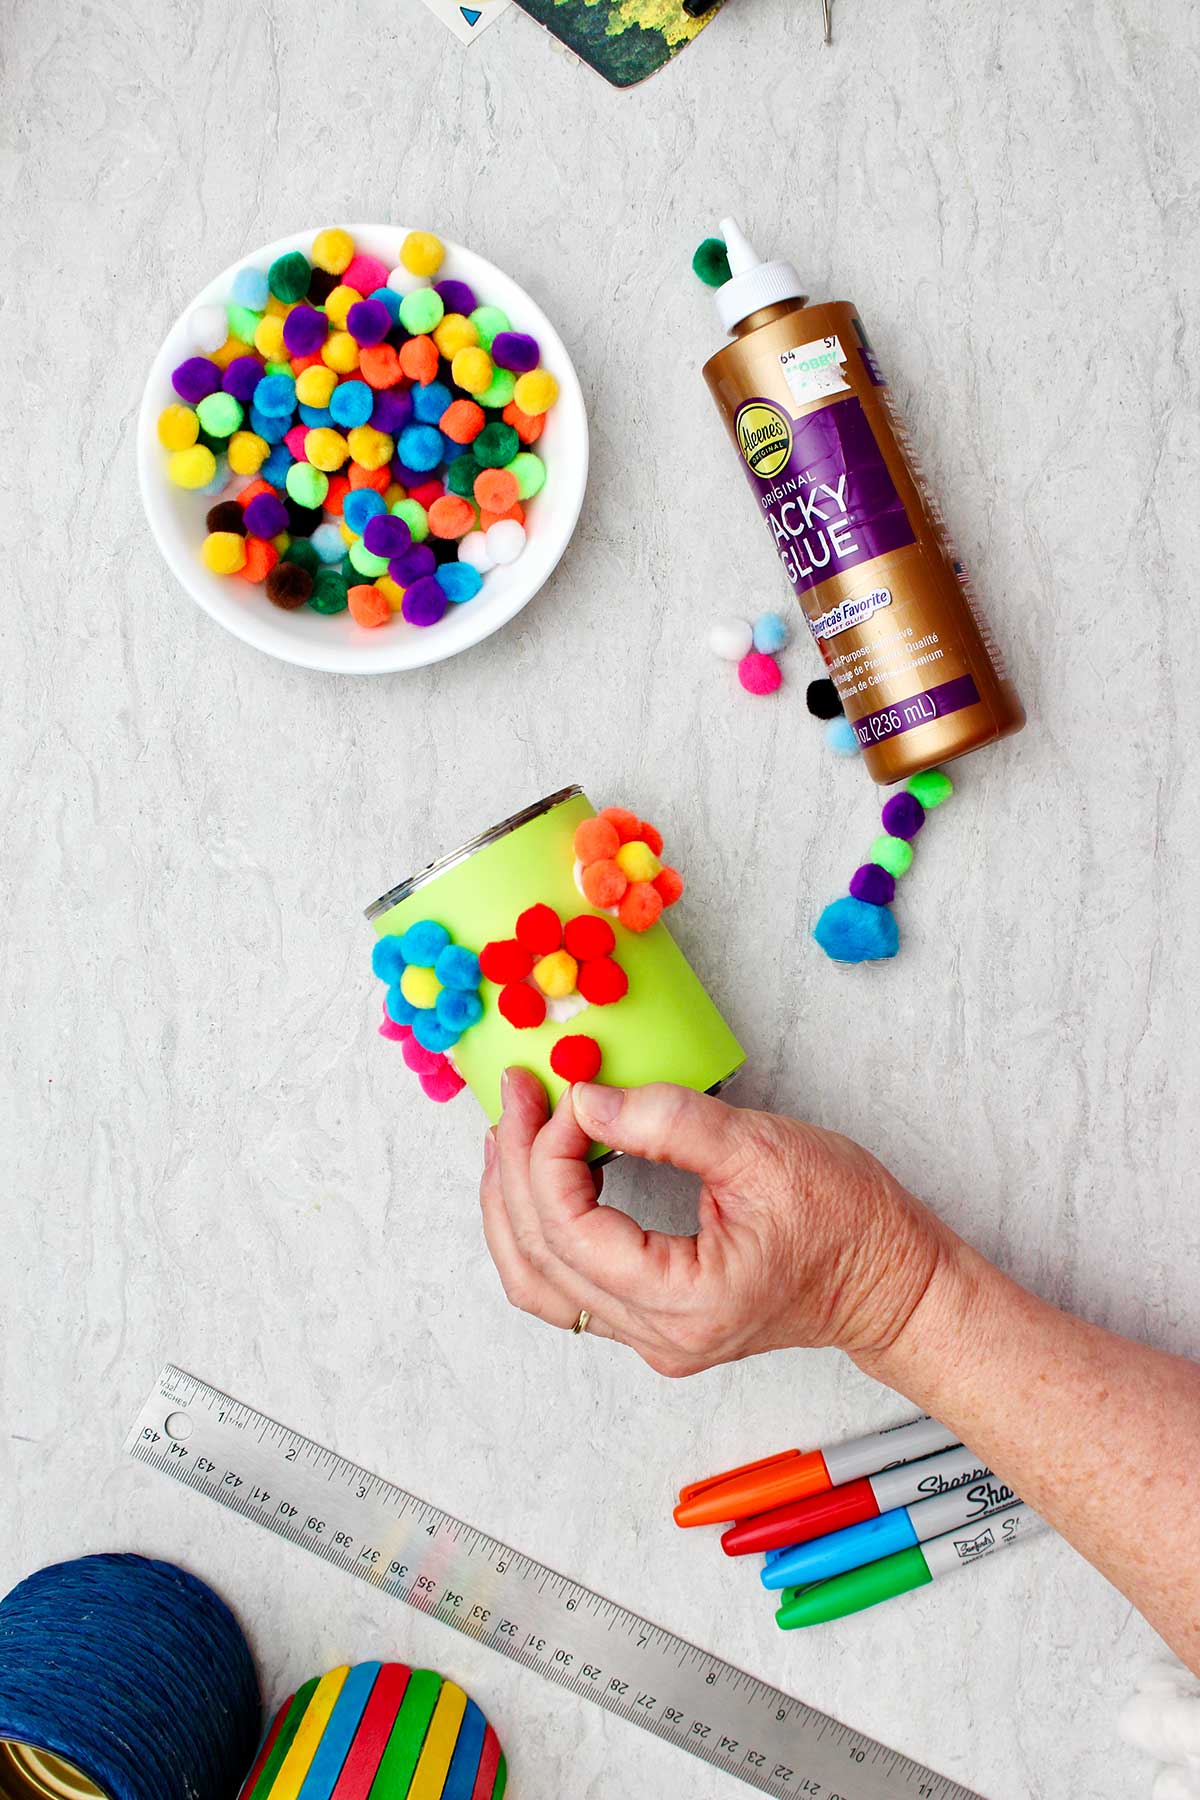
(730, 638)
(505, 541)
(603, 883)
(587, 938)
(458, 967)
(668, 885)
(422, 253)
(536, 392)
(368, 607)
(822, 699)
(841, 737)
(505, 960)
(522, 1006)
(930, 787)
(602, 982)
(759, 673)
(431, 1034)
(576, 1058)
(332, 250)
(555, 974)
(365, 273)
(442, 1084)
(423, 942)
(873, 884)
(424, 602)
(457, 1010)
(289, 585)
(596, 839)
(891, 853)
(640, 906)
(637, 862)
(420, 986)
(387, 959)
(539, 930)
(459, 582)
(710, 261)
(853, 931)
(771, 632)
(903, 816)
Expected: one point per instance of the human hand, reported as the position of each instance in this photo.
(803, 1238)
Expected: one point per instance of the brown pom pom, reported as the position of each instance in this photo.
(226, 515)
(288, 585)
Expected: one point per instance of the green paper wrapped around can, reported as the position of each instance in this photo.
(664, 1028)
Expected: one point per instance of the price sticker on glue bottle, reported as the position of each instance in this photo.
(814, 371)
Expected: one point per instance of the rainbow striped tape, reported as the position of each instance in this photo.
(379, 1731)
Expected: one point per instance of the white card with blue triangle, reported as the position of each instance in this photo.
(468, 19)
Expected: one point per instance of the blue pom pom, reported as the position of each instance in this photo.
(360, 505)
(351, 404)
(841, 736)
(387, 959)
(424, 942)
(458, 581)
(850, 931)
(458, 1011)
(771, 633)
(275, 395)
(315, 416)
(458, 967)
(390, 299)
(273, 429)
(399, 1010)
(326, 540)
(430, 1033)
(219, 480)
(430, 402)
(421, 447)
(250, 289)
(277, 465)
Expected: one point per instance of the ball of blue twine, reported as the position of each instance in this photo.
(135, 1672)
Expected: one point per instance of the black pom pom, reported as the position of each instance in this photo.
(320, 285)
(226, 515)
(302, 520)
(445, 549)
(822, 699)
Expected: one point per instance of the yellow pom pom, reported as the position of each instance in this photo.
(348, 536)
(393, 594)
(422, 253)
(277, 308)
(536, 392)
(455, 333)
(224, 552)
(283, 541)
(268, 338)
(247, 452)
(326, 449)
(192, 468)
(314, 386)
(420, 987)
(231, 348)
(394, 493)
(556, 974)
(340, 352)
(637, 861)
(333, 250)
(178, 428)
(338, 304)
(472, 370)
(370, 449)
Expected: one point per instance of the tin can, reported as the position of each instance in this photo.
(665, 1028)
(27, 1773)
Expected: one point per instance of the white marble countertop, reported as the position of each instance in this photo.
(212, 1158)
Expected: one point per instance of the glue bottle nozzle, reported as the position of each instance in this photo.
(741, 252)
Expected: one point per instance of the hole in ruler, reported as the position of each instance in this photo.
(178, 1426)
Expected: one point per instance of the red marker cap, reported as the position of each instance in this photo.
(804, 1519)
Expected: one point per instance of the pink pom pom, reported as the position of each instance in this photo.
(420, 1060)
(759, 673)
(295, 441)
(390, 1029)
(365, 274)
(444, 1085)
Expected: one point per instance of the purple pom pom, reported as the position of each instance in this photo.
(424, 602)
(304, 331)
(195, 379)
(873, 884)
(456, 296)
(515, 350)
(368, 321)
(408, 478)
(903, 816)
(266, 516)
(412, 564)
(386, 536)
(392, 410)
(242, 377)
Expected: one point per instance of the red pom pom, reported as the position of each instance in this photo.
(602, 982)
(668, 884)
(640, 907)
(603, 883)
(587, 937)
(539, 929)
(505, 960)
(626, 824)
(596, 840)
(576, 1058)
(650, 834)
(522, 1005)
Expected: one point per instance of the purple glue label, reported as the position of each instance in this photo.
(917, 709)
(824, 486)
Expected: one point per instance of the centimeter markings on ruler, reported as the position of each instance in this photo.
(517, 1606)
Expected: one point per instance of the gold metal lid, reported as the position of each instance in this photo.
(395, 895)
(27, 1773)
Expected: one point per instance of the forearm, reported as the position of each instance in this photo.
(1098, 1434)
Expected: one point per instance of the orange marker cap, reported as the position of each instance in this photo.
(755, 1487)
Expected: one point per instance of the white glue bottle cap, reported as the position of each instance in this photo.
(752, 283)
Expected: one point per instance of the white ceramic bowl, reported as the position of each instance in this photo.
(334, 642)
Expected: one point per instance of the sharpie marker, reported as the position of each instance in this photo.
(795, 1475)
(899, 1574)
(855, 1501)
(892, 1531)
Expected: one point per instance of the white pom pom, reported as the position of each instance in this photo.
(731, 638)
(473, 550)
(208, 328)
(505, 540)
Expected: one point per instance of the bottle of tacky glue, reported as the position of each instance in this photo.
(860, 536)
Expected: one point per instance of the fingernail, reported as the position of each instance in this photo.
(504, 1086)
(601, 1104)
(489, 1148)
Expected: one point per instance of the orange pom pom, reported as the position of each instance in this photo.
(650, 835)
(368, 606)
(640, 906)
(527, 427)
(335, 499)
(462, 421)
(300, 363)
(668, 885)
(261, 557)
(514, 512)
(596, 840)
(496, 490)
(419, 359)
(451, 516)
(379, 365)
(604, 883)
(626, 824)
(253, 490)
(379, 479)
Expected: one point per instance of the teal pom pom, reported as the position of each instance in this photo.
(399, 1010)
(458, 967)
(771, 632)
(850, 931)
(422, 944)
(458, 1011)
(711, 262)
(430, 1033)
(841, 736)
(387, 960)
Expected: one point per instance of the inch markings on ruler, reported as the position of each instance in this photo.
(483, 1588)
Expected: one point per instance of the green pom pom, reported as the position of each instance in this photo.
(220, 415)
(499, 390)
(421, 311)
(330, 592)
(930, 787)
(530, 472)
(414, 516)
(893, 854)
(461, 474)
(495, 446)
(301, 552)
(711, 263)
(243, 324)
(489, 322)
(366, 562)
(288, 277)
(306, 485)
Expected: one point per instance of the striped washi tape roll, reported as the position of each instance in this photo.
(378, 1731)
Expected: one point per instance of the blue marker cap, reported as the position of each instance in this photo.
(840, 1550)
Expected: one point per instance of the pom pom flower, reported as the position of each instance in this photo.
(548, 970)
(432, 999)
(618, 868)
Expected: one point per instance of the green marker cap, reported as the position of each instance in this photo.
(854, 1590)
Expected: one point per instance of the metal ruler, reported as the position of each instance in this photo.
(494, 1594)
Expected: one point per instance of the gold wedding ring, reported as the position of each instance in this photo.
(581, 1323)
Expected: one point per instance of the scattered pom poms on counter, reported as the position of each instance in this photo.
(861, 927)
(618, 868)
(380, 405)
(432, 999)
(752, 645)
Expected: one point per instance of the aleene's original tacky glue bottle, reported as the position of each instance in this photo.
(862, 539)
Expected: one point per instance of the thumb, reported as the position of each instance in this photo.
(664, 1123)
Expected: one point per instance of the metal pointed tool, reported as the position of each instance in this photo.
(827, 19)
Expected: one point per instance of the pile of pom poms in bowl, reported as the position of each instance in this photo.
(432, 999)
(754, 646)
(368, 440)
(861, 927)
